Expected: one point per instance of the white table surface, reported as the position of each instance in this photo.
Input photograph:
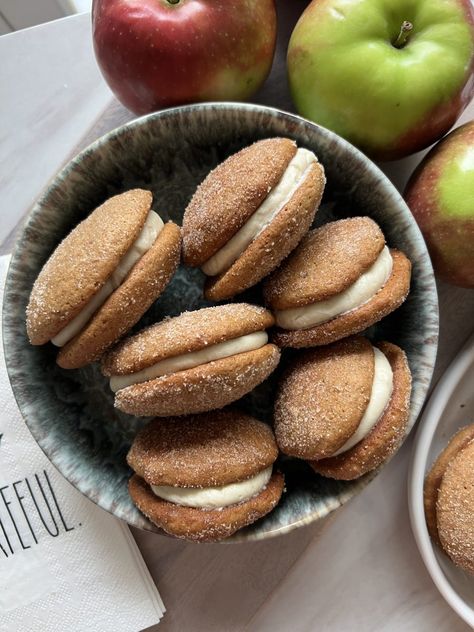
(362, 570)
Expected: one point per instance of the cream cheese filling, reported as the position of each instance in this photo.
(359, 293)
(382, 388)
(145, 240)
(276, 200)
(249, 342)
(214, 497)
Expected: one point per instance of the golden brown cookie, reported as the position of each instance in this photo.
(455, 509)
(206, 450)
(386, 436)
(102, 277)
(192, 363)
(124, 307)
(203, 477)
(436, 473)
(343, 261)
(250, 213)
(322, 396)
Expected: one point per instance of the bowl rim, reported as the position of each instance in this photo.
(429, 423)
(375, 172)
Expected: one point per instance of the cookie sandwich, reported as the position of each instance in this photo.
(249, 213)
(192, 363)
(204, 477)
(344, 407)
(341, 279)
(102, 278)
(449, 499)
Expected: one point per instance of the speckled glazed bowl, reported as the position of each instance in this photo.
(71, 414)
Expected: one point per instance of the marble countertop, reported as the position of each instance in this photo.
(360, 570)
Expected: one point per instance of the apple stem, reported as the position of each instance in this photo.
(404, 34)
(173, 1)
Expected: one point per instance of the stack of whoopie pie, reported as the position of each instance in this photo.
(201, 470)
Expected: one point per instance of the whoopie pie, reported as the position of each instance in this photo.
(102, 277)
(344, 407)
(203, 477)
(341, 279)
(249, 213)
(192, 363)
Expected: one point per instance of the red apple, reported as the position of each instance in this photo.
(158, 53)
(440, 195)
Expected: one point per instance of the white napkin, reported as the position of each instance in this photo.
(65, 564)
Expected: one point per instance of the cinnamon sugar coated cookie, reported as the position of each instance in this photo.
(341, 279)
(455, 509)
(449, 499)
(192, 363)
(249, 213)
(102, 278)
(344, 407)
(203, 477)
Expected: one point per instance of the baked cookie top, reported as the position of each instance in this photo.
(207, 450)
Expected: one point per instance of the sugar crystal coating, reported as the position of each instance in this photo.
(83, 261)
(207, 450)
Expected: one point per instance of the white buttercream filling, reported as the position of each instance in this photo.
(360, 292)
(145, 240)
(382, 388)
(292, 178)
(192, 359)
(214, 497)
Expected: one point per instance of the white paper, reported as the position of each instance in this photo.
(65, 564)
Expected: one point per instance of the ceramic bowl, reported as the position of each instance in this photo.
(70, 413)
(451, 406)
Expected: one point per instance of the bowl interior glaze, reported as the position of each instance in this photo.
(71, 414)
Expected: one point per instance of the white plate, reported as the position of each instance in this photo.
(450, 407)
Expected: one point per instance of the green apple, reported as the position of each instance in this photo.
(440, 195)
(391, 76)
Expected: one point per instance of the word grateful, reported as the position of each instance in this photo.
(29, 511)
